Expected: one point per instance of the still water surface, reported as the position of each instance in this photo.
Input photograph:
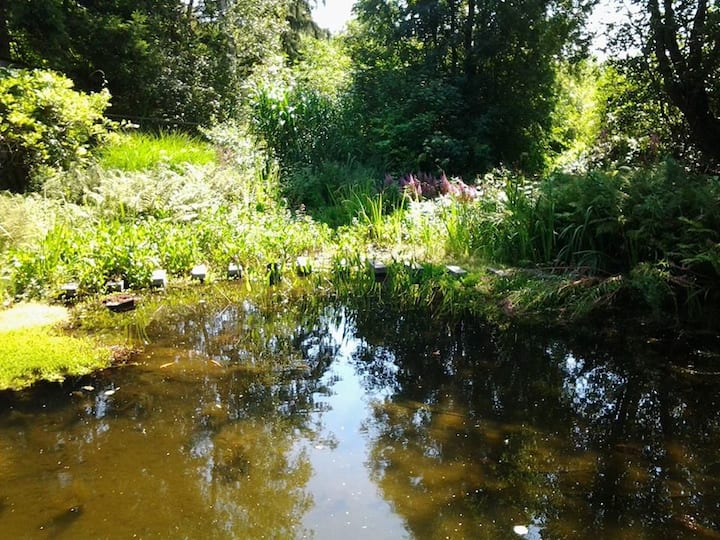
(238, 422)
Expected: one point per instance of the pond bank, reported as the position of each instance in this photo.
(34, 347)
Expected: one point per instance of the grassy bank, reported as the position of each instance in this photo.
(33, 347)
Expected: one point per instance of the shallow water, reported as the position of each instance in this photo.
(334, 423)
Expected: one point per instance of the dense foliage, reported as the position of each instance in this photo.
(45, 122)
(460, 85)
(163, 61)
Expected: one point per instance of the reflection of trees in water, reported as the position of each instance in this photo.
(195, 448)
(248, 422)
(250, 479)
(482, 431)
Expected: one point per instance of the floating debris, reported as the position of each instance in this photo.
(234, 271)
(115, 286)
(111, 392)
(456, 271)
(166, 364)
(380, 270)
(499, 272)
(69, 290)
(87, 388)
(120, 303)
(520, 530)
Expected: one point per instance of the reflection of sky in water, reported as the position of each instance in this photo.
(347, 503)
(589, 392)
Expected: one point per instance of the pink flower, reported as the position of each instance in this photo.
(445, 186)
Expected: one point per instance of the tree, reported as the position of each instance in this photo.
(175, 60)
(461, 84)
(672, 49)
(685, 39)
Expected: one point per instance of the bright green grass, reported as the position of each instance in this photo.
(141, 151)
(31, 349)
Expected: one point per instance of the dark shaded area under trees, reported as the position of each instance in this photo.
(182, 63)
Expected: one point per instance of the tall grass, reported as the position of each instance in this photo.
(137, 151)
(458, 218)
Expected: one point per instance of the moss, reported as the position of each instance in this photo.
(36, 349)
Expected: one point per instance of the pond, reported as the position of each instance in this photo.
(244, 422)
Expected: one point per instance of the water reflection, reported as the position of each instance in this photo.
(282, 421)
(198, 441)
(563, 435)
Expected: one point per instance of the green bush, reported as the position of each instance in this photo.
(45, 123)
(303, 113)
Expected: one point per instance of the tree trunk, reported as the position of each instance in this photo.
(4, 33)
(684, 77)
(468, 39)
(453, 32)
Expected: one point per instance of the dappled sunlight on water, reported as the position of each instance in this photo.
(241, 421)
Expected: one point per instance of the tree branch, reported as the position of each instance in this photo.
(671, 43)
(696, 37)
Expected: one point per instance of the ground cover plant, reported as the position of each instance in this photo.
(134, 150)
(33, 347)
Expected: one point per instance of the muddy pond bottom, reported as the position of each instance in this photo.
(248, 423)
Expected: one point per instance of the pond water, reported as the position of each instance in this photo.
(242, 422)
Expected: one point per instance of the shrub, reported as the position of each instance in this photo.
(45, 123)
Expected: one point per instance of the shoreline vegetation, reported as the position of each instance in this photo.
(143, 211)
(561, 247)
